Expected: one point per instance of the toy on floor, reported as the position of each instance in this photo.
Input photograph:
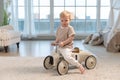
(56, 60)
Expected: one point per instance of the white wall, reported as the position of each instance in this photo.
(1, 11)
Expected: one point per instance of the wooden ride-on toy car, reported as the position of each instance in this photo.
(56, 60)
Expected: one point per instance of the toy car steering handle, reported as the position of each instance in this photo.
(56, 44)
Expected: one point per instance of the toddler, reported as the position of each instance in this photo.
(64, 36)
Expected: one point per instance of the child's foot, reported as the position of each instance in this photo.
(82, 70)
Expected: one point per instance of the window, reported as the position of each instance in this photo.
(85, 19)
(21, 15)
(104, 13)
(42, 16)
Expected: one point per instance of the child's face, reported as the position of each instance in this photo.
(65, 21)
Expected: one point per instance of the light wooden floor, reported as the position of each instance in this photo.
(35, 48)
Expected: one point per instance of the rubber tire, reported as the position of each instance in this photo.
(92, 63)
(48, 62)
(62, 67)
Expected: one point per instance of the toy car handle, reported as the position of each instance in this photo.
(55, 44)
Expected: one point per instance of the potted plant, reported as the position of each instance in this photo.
(5, 18)
(6, 14)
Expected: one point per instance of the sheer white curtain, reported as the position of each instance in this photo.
(28, 27)
(110, 22)
(114, 6)
(14, 14)
(113, 22)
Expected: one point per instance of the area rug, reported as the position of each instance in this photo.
(31, 68)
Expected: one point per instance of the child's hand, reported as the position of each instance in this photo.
(53, 43)
(61, 44)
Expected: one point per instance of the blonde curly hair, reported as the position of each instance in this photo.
(66, 14)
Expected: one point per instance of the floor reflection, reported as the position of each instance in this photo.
(35, 48)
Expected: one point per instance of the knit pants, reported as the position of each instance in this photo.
(67, 54)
